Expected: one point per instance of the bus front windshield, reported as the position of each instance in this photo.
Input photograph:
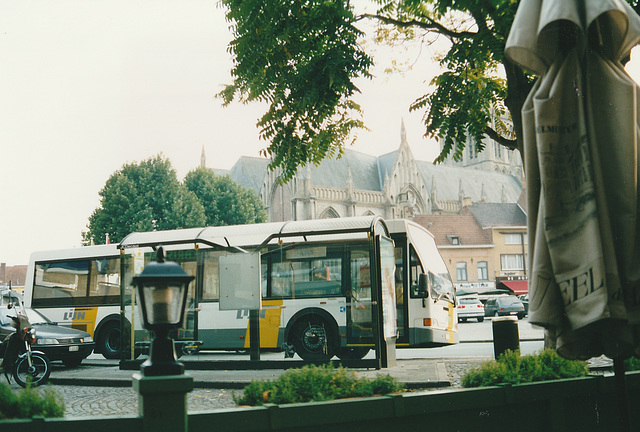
(440, 283)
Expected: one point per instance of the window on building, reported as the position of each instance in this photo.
(483, 271)
(511, 262)
(454, 240)
(513, 238)
(461, 271)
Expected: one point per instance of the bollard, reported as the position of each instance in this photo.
(505, 335)
(162, 401)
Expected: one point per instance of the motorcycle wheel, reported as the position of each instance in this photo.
(35, 375)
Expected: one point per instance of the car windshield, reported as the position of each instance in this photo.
(36, 317)
(469, 301)
(509, 300)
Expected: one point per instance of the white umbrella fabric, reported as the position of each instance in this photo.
(581, 123)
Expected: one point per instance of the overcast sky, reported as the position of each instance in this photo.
(87, 86)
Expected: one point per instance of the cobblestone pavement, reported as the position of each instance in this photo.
(81, 401)
(111, 401)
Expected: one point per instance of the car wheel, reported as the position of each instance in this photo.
(480, 319)
(313, 339)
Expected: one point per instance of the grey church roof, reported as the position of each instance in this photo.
(385, 164)
(335, 172)
(249, 172)
(476, 184)
(498, 214)
(369, 172)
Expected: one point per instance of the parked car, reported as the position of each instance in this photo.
(524, 298)
(504, 305)
(470, 307)
(69, 345)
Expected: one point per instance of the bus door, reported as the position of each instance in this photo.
(401, 278)
(188, 260)
(138, 338)
(359, 298)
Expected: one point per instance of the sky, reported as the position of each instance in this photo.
(88, 86)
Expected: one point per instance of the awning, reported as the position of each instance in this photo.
(517, 286)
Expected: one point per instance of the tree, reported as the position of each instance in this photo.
(225, 201)
(148, 197)
(278, 44)
(143, 197)
(300, 57)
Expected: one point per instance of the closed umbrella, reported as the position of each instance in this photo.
(581, 123)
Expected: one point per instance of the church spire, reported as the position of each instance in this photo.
(434, 191)
(203, 158)
(403, 133)
(349, 180)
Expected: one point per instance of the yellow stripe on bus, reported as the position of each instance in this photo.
(269, 324)
(451, 333)
(84, 318)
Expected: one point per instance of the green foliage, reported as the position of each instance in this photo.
(301, 58)
(143, 197)
(632, 364)
(148, 197)
(511, 368)
(315, 383)
(225, 202)
(29, 402)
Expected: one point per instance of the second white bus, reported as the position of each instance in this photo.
(317, 282)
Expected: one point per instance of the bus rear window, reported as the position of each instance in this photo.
(90, 281)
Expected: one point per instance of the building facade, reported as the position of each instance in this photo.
(394, 185)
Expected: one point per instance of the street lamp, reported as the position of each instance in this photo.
(162, 293)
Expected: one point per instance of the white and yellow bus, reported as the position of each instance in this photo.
(318, 283)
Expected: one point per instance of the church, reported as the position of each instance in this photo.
(394, 185)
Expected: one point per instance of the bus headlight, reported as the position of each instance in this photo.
(86, 339)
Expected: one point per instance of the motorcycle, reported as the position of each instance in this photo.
(28, 367)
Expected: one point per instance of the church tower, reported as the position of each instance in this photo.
(494, 157)
(203, 158)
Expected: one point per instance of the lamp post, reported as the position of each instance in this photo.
(162, 386)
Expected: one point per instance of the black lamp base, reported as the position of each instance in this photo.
(162, 358)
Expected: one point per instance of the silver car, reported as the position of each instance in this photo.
(470, 307)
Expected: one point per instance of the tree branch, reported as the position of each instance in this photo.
(430, 25)
(506, 142)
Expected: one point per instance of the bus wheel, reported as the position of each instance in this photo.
(108, 344)
(313, 339)
(352, 353)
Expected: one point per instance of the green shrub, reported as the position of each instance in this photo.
(632, 364)
(29, 403)
(511, 368)
(315, 383)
